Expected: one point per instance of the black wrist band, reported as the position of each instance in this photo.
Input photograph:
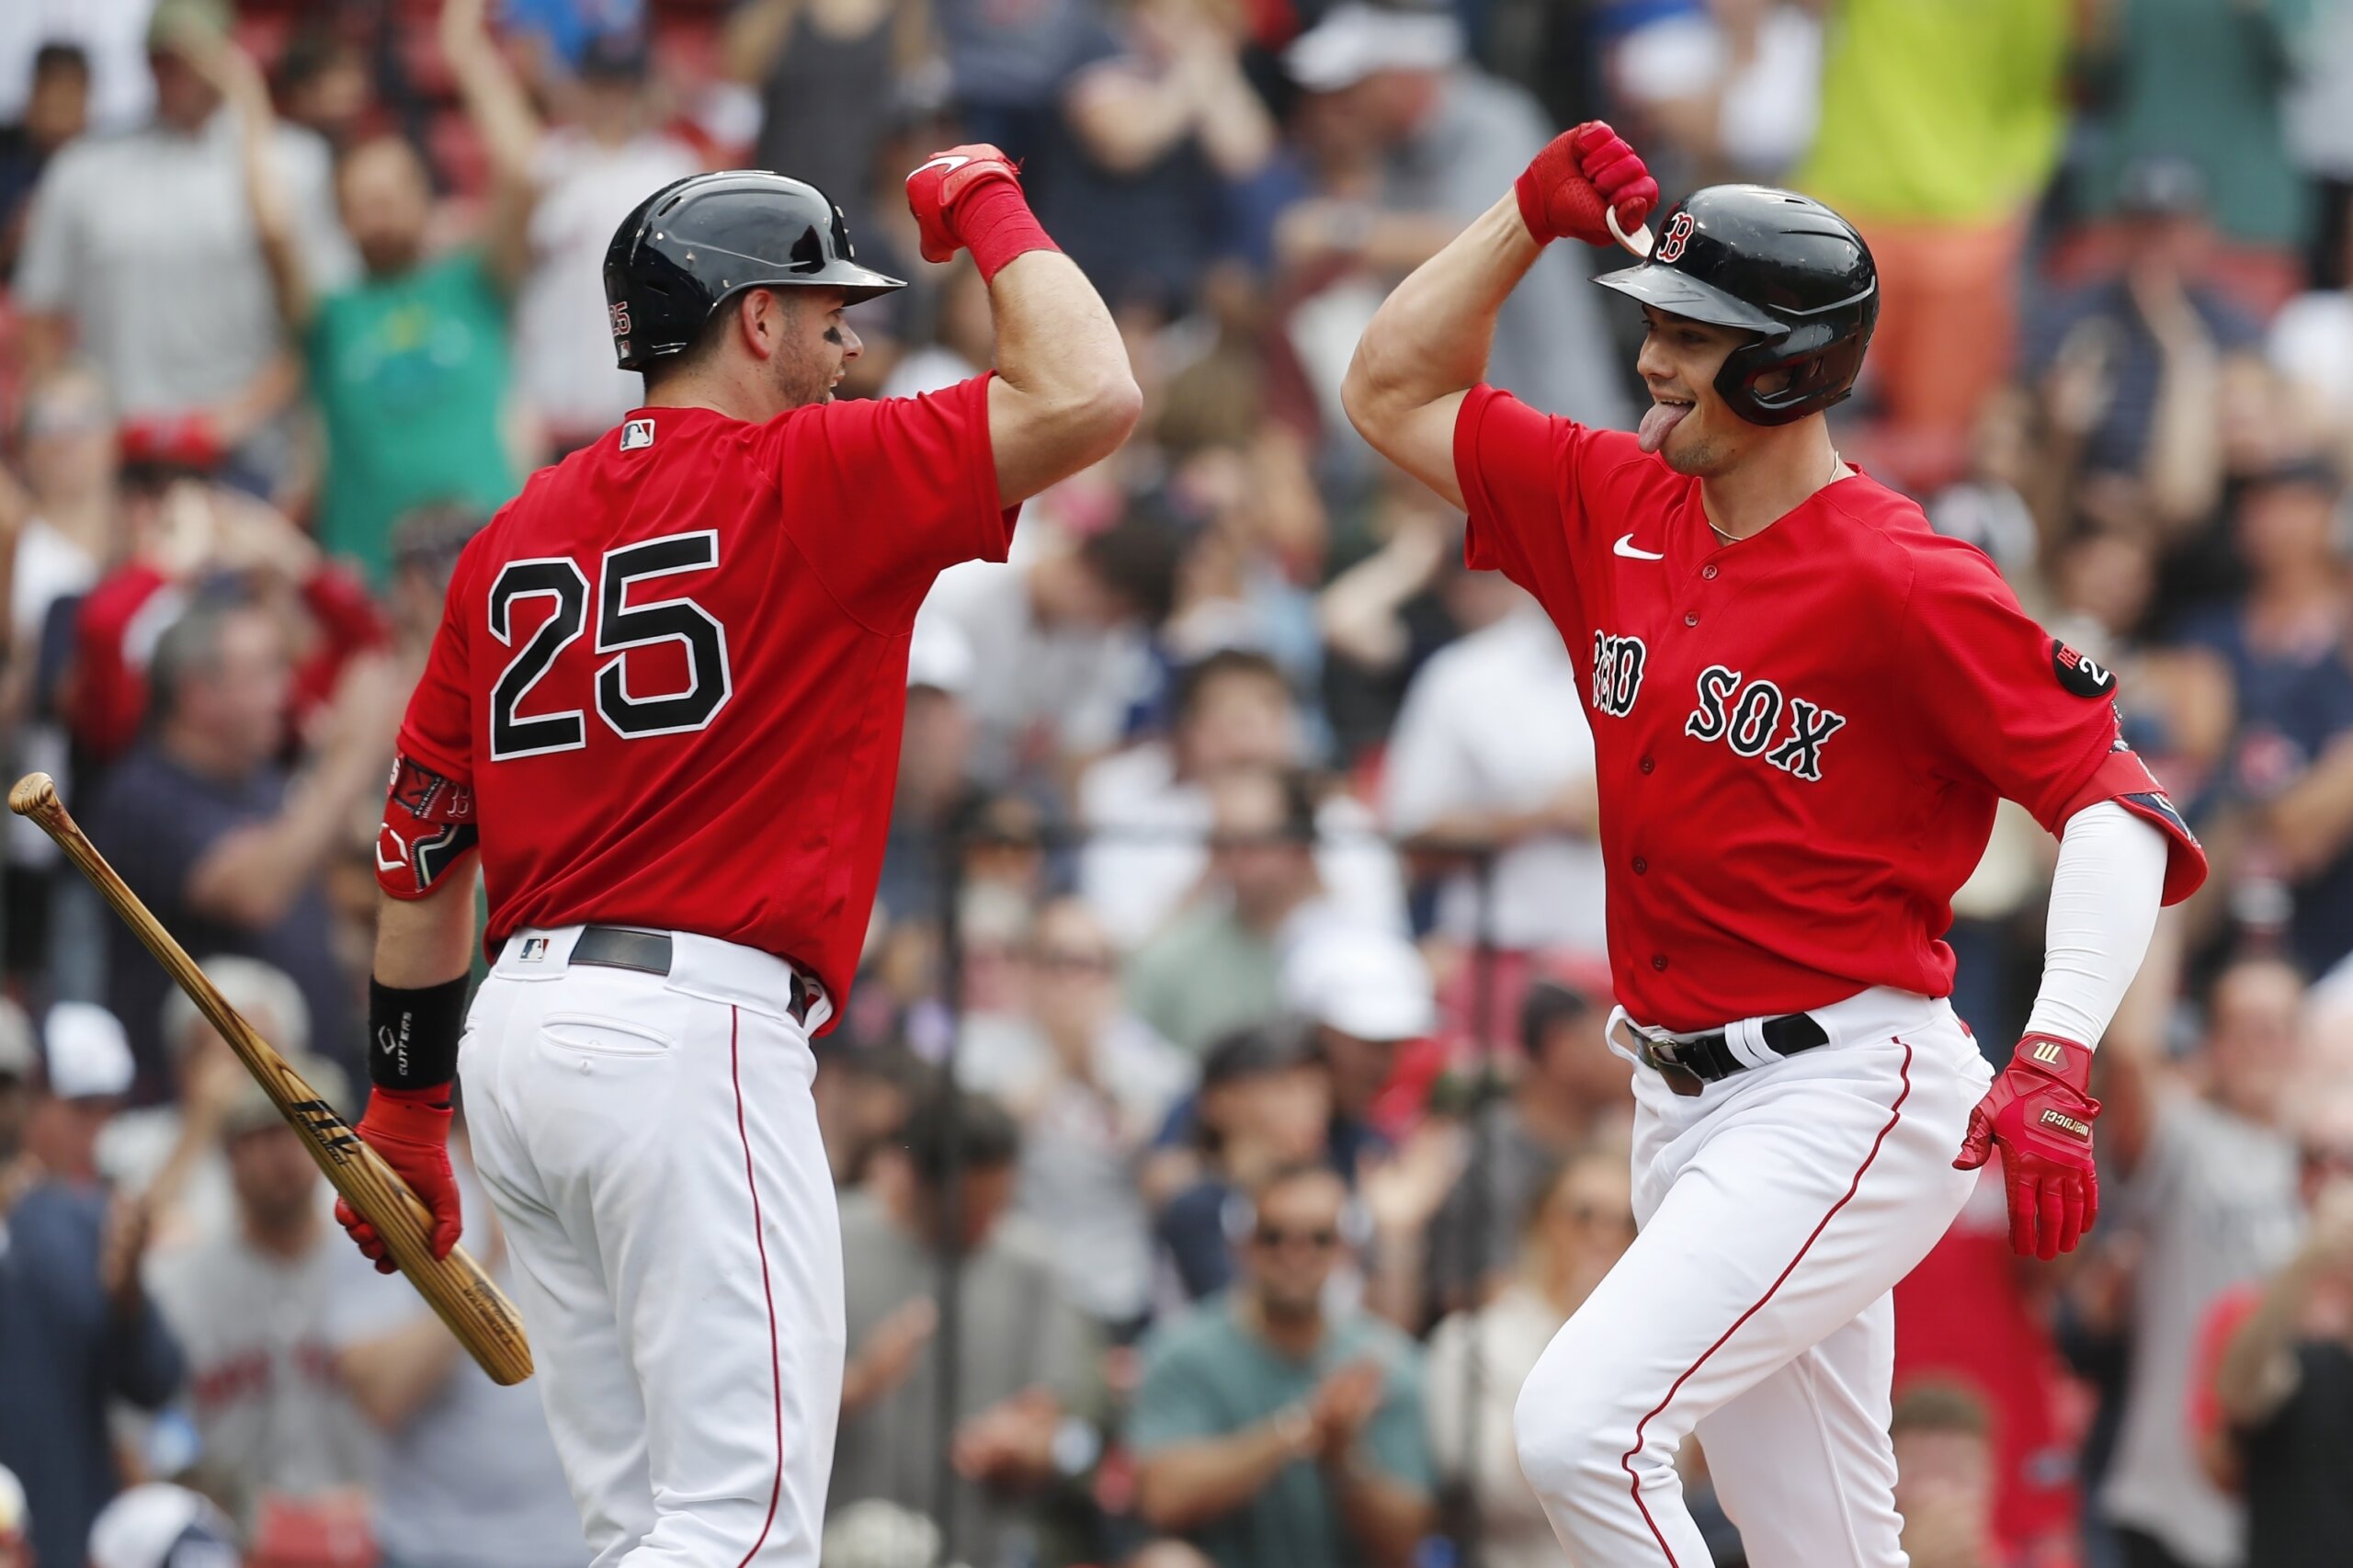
(413, 1035)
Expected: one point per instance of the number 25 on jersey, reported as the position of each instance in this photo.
(622, 627)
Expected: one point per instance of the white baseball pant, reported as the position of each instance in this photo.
(651, 1144)
(1777, 1208)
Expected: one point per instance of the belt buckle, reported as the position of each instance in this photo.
(1656, 1051)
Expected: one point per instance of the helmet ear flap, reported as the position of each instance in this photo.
(1820, 363)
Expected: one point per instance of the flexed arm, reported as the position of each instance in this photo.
(1429, 343)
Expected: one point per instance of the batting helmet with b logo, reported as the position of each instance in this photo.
(1777, 264)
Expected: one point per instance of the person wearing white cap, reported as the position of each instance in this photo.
(88, 1070)
(1392, 79)
(161, 1526)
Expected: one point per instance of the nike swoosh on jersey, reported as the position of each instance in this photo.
(1625, 546)
(950, 161)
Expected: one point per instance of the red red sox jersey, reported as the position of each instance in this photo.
(669, 679)
(1800, 738)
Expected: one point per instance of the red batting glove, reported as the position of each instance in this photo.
(934, 189)
(1587, 171)
(2040, 1112)
(410, 1128)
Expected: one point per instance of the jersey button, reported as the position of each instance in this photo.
(1709, 571)
(1690, 618)
(1641, 866)
(1649, 765)
(1658, 961)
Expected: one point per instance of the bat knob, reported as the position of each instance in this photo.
(34, 792)
(1639, 241)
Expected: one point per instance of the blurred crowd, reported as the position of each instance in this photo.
(1223, 1118)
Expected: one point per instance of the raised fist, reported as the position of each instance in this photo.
(1586, 172)
(936, 186)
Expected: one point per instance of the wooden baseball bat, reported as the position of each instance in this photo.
(477, 1312)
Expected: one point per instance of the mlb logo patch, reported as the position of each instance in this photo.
(637, 433)
(535, 948)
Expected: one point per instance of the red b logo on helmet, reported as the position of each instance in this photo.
(1678, 234)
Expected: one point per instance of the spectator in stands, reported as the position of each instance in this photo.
(77, 1331)
(1944, 1477)
(1273, 1433)
(1446, 137)
(2311, 343)
(1567, 1092)
(172, 1155)
(1576, 1225)
(1365, 993)
(1154, 135)
(599, 160)
(1026, 1354)
(407, 365)
(1090, 1086)
(126, 230)
(2283, 644)
(203, 825)
(1064, 638)
(1148, 813)
(2282, 1381)
(1218, 965)
(464, 1473)
(1265, 1103)
(830, 76)
(2185, 81)
(1734, 85)
(2134, 369)
(87, 1071)
(249, 1304)
(1007, 63)
(15, 1523)
(2209, 1192)
(1937, 130)
(67, 517)
(1473, 768)
(56, 111)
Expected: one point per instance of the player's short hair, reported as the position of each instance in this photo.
(953, 1128)
(1938, 1404)
(710, 336)
(1136, 560)
(1195, 679)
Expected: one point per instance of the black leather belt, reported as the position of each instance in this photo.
(620, 947)
(1691, 1064)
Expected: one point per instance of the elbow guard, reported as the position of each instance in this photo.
(428, 827)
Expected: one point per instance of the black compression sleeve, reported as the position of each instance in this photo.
(413, 1035)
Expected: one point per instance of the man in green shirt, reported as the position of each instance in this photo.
(1219, 966)
(408, 367)
(1271, 1433)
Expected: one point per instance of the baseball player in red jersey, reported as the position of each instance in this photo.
(664, 708)
(1804, 706)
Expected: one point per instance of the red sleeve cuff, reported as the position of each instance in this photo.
(2125, 779)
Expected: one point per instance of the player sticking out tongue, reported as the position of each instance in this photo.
(1658, 422)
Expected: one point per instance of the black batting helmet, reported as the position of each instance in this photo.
(1777, 264)
(698, 241)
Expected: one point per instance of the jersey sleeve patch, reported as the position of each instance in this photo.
(2080, 673)
(428, 827)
